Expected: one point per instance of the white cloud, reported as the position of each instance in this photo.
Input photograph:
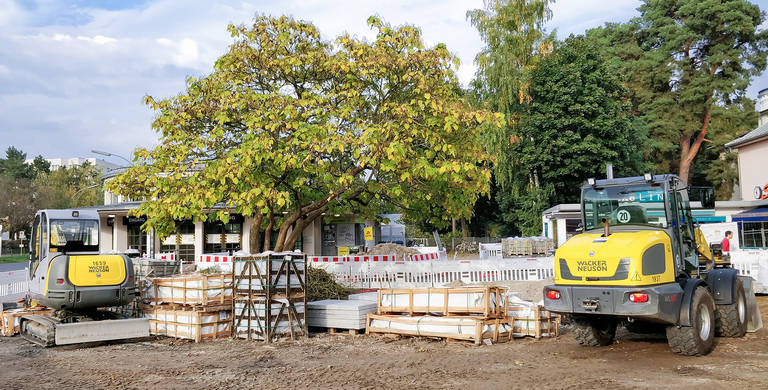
(79, 75)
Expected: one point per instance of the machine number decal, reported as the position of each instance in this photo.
(623, 216)
(98, 266)
(656, 279)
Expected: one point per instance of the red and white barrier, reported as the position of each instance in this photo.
(167, 256)
(223, 262)
(377, 258)
(351, 258)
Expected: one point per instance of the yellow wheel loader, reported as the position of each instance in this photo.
(68, 274)
(642, 262)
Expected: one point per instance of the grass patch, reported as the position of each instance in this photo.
(14, 258)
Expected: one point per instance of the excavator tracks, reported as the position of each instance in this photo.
(39, 329)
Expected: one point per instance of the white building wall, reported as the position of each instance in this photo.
(753, 159)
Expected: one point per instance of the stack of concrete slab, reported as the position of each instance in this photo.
(371, 296)
(338, 314)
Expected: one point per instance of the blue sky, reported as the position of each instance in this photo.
(73, 73)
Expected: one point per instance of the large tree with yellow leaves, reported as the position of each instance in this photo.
(288, 127)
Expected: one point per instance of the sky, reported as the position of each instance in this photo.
(73, 73)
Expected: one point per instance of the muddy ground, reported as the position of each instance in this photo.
(345, 361)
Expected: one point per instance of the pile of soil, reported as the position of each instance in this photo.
(391, 249)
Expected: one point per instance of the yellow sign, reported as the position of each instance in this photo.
(368, 233)
(343, 251)
(96, 270)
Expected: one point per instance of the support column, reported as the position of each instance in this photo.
(199, 239)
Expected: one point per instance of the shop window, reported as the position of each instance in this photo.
(137, 239)
(224, 237)
(754, 234)
(183, 242)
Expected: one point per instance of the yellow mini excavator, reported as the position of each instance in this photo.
(70, 275)
(642, 261)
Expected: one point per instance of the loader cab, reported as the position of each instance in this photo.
(647, 202)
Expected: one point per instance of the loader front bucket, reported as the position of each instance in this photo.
(754, 320)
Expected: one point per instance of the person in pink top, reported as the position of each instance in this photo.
(727, 241)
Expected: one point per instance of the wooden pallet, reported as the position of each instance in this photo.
(279, 276)
(487, 309)
(9, 319)
(477, 336)
(189, 322)
(264, 319)
(192, 290)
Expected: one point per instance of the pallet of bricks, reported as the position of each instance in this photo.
(477, 314)
(526, 246)
(190, 306)
(270, 296)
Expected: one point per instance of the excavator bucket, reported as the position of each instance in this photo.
(754, 320)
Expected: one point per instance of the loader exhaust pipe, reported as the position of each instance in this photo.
(609, 171)
(606, 227)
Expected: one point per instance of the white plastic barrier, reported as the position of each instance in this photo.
(490, 251)
(13, 289)
(403, 274)
(753, 263)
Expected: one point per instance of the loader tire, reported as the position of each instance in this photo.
(731, 320)
(594, 333)
(698, 339)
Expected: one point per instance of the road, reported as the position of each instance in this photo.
(5, 267)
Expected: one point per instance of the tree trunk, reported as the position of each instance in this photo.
(268, 231)
(464, 229)
(255, 236)
(453, 226)
(298, 230)
(689, 149)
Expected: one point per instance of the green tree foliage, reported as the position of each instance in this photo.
(13, 165)
(293, 126)
(515, 43)
(688, 62)
(26, 188)
(577, 121)
(69, 187)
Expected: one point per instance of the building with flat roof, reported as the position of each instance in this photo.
(58, 163)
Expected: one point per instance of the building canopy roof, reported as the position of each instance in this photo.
(759, 214)
(753, 135)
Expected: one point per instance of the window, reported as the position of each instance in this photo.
(224, 237)
(754, 234)
(183, 242)
(137, 239)
(624, 205)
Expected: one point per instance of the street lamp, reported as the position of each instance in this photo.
(103, 153)
(80, 191)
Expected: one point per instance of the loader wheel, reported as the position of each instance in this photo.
(731, 320)
(594, 333)
(698, 339)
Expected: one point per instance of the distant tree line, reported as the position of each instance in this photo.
(26, 188)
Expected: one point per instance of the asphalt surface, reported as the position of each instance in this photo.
(5, 267)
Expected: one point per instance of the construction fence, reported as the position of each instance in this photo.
(409, 274)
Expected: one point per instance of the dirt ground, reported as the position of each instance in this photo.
(350, 362)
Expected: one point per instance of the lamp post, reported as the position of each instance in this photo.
(107, 154)
(78, 192)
